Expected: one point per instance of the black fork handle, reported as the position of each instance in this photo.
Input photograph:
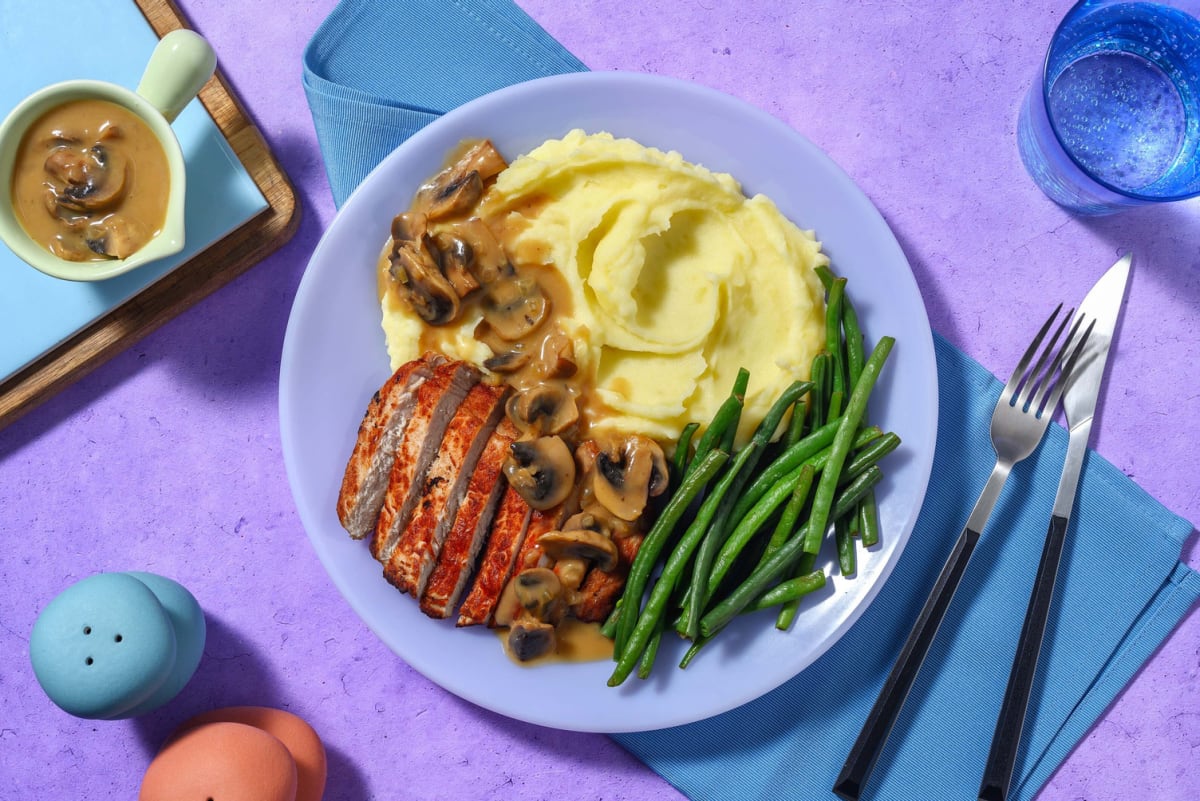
(1003, 756)
(878, 726)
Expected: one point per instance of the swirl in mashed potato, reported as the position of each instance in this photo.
(675, 280)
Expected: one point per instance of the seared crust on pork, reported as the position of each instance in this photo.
(443, 488)
(462, 545)
(496, 564)
(365, 480)
(601, 588)
(426, 481)
(437, 400)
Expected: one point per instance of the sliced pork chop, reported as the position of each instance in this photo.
(365, 480)
(495, 566)
(438, 399)
(600, 589)
(489, 587)
(460, 549)
(443, 488)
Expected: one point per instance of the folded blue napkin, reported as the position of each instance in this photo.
(1121, 588)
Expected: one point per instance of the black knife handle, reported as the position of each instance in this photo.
(875, 731)
(1003, 757)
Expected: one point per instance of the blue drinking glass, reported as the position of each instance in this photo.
(1114, 121)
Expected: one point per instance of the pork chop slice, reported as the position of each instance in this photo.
(598, 594)
(460, 550)
(438, 399)
(443, 488)
(496, 564)
(489, 587)
(365, 480)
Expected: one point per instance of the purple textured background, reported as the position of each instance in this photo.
(167, 458)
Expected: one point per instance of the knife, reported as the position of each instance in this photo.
(1103, 304)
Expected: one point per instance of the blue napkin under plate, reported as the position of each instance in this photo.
(1121, 589)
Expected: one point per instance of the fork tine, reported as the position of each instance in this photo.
(1019, 371)
(1037, 380)
(1065, 372)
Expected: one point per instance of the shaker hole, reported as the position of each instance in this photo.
(117, 638)
(88, 661)
(87, 629)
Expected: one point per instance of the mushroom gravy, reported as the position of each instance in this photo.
(90, 181)
(452, 267)
(576, 642)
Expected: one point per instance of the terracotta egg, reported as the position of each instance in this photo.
(299, 738)
(221, 762)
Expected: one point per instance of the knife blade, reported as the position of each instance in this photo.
(1103, 306)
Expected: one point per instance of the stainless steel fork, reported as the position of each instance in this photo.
(1020, 420)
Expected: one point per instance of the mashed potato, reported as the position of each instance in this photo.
(676, 280)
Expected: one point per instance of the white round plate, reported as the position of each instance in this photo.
(334, 359)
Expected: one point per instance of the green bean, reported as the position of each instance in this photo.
(729, 413)
(842, 442)
(649, 619)
(788, 591)
(871, 454)
(796, 425)
(778, 563)
(719, 528)
(757, 516)
(868, 513)
(855, 355)
(847, 559)
(785, 463)
(740, 385)
(833, 336)
(820, 393)
(791, 512)
(682, 446)
(704, 518)
(609, 629)
(834, 405)
(647, 663)
(656, 539)
(693, 650)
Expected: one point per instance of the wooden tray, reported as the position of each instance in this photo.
(196, 278)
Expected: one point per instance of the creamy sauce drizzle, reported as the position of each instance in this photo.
(576, 642)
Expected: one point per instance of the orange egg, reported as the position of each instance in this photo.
(299, 738)
(223, 762)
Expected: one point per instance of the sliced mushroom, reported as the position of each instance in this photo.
(86, 180)
(571, 573)
(580, 543)
(508, 361)
(541, 470)
(543, 409)
(491, 262)
(529, 639)
(456, 258)
(556, 358)
(417, 276)
(115, 236)
(627, 474)
(483, 158)
(409, 226)
(539, 593)
(451, 193)
(514, 307)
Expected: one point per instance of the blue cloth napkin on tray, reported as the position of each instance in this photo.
(377, 71)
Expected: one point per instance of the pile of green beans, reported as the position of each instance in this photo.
(742, 528)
